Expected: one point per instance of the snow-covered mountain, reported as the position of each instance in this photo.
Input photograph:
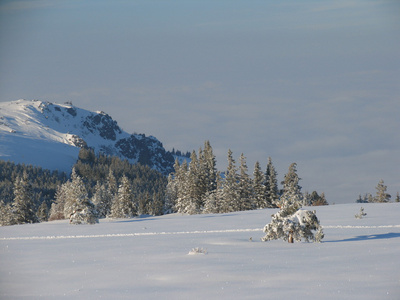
(50, 135)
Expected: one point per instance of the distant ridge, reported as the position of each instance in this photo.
(50, 135)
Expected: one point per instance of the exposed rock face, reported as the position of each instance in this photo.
(67, 124)
(104, 125)
(146, 151)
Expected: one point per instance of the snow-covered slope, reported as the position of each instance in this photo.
(147, 258)
(50, 135)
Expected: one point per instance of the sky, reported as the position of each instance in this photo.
(311, 82)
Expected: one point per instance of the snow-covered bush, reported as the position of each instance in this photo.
(361, 214)
(83, 216)
(290, 222)
(197, 250)
(292, 227)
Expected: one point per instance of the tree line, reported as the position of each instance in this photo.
(381, 195)
(197, 186)
(95, 189)
(102, 186)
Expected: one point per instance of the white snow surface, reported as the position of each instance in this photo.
(153, 258)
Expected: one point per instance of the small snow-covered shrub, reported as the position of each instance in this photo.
(197, 250)
(361, 214)
(294, 227)
(83, 216)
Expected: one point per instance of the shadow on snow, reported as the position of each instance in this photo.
(382, 236)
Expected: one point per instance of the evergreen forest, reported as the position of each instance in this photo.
(101, 186)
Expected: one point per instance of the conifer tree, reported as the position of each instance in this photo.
(78, 208)
(43, 212)
(102, 200)
(111, 184)
(181, 186)
(171, 195)
(210, 166)
(292, 198)
(245, 187)
(123, 205)
(194, 188)
(290, 223)
(214, 199)
(5, 214)
(23, 210)
(231, 197)
(259, 187)
(57, 208)
(271, 185)
(381, 195)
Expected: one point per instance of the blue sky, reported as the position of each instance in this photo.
(312, 82)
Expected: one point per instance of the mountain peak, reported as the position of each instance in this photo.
(52, 134)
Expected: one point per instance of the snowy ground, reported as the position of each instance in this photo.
(148, 258)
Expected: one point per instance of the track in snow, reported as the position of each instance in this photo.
(174, 233)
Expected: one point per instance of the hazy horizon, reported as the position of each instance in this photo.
(312, 82)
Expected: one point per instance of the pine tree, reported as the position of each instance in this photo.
(57, 208)
(271, 185)
(292, 198)
(397, 197)
(5, 214)
(78, 208)
(210, 167)
(123, 205)
(171, 195)
(111, 184)
(290, 223)
(259, 187)
(214, 199)
(231, 199)
(381, 195)
(23, 208)
(245, 187)
(181, 187)
(102, 200)
(194, 188)
(43, 212)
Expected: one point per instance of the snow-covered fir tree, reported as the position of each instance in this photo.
(194, 186)
(102, 199)
(271, 185)
(23, 210)
(171, 193)
(291, 198)
(397, 197)
(259, 187)
(43, 212)
(209, 161)
(290, 223)
(5, 214)
(111, 185)
(214, 199)
(381, 195)
(231, 198)
(78, 208)
(294, 227)
(180, 178)
(245, 187)
(314, 199)
(57, 207)
(123, 205)
(155, 206)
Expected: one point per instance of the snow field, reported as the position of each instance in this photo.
(148, 258)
